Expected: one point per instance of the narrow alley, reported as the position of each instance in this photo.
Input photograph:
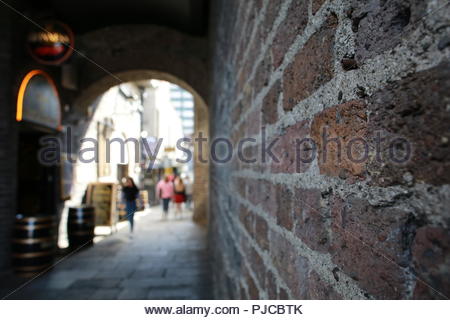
(309, 140)
(165, 259)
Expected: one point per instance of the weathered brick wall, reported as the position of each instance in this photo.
(346, 224)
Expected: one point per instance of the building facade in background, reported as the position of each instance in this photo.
(183, 102)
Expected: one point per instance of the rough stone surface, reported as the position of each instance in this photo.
(311, 219)
(290, 154)
(431, 255)
(318, 289)
(293, 267)
(292, 26)
(312, 66)
(380, 25)
(339, 133)
(358, 228)
(371, 246)
(413, 109)
(270, 104)
(316, 5)
(164, 260)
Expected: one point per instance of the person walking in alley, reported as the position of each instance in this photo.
(179, 195)
(188, 192)
(164, 191)
(130, 193)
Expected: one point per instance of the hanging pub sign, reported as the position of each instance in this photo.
(52, 44)
(38, 100)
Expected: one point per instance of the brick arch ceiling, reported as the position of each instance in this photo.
(137, 52)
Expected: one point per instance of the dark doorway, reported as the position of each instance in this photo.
(37, 187)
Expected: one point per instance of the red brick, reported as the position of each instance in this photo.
(238, 133)
(260, 193)
(292, 267)
(243, 294)
(368, 246)
(283, 294)
(247, 219)
(258, 266)
(263, 73)
(239, 184)
(253, 292)
(261, 233)
(266, 200)
(270, 104)
(236, 164)
(286, 150)
(290, 28)
(243, 82)
(318, 289)
(316, 5)
(249, 154)
(431, 261)
(247, 95)
(253, 191)
(253, 123)
(267, 24)
(381, 25)
(255, 46)
(343, 125)
(247, 32)
(252, 160)
(237, 112)
(311, 226)
(283, 198)
(415, 109)
(258, 5)
(271, 286)
(312, 67)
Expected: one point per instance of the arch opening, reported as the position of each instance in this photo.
(95, 95)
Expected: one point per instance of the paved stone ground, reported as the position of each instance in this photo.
(164, 260)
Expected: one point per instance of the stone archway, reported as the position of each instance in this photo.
(201, 170)
(114, 50)
(125, 53)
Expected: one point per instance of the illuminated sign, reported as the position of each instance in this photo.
(38, 100)
(52, 45)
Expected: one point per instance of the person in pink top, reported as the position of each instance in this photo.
(164, 191)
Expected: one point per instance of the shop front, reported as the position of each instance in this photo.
(38, 175)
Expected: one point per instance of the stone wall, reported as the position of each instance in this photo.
(358, 208)
(121, 49)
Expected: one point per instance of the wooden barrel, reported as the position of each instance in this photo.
(80, 226)
(34, 244)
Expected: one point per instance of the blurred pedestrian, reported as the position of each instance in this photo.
(164, 191)
(179, 195)
(130, 193)
(188, 191)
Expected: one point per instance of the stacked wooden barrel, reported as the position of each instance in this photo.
(80, 226)
(34, 244)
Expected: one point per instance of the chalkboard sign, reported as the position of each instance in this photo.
(102, 196)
